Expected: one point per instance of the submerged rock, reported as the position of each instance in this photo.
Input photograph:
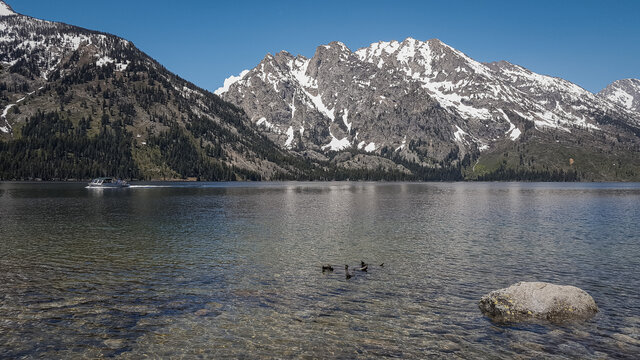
(538, 300)
(114, 343)
(202, 312)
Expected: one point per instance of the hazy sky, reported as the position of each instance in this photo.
(590, 43)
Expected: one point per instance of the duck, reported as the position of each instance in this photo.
(363, 266)
(382, 265)
(347, 274)
(327, 267)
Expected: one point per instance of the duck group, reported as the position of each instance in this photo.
(348, 274)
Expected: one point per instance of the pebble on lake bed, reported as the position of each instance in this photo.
(114, 343)
(538, 300)
(202, 312)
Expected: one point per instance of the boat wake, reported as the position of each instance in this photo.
(105, 187)
(137, 187)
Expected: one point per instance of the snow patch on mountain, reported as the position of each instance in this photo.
(6, 110)
(514, 134)
(230, 81)
(403, 144)
(371, 147)
(289, 141)
(453, 100)
(625, 93)
(459, 134)
(317, 101)
(299, 72)
(336, 144)
(623, 98)
(120, 66)
(513, 131)
(345, 116)
(7, 128)
(5, 10)
(263, 122)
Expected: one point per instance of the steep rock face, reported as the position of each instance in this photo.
(625, 92)
(91, 90)
(335, 101)
(422, 101)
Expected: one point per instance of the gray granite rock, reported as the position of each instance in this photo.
(538, 300)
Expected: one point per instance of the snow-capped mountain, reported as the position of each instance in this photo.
(625, 92)
(37, 46)
(422, 100)
(32, 49)
(113, 110)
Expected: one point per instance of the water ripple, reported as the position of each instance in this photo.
(233, 270)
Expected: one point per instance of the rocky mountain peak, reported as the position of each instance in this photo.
(336, 45)
(432, 59)
(625, 92)
(283, 56)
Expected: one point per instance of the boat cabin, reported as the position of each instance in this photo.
(102, 180)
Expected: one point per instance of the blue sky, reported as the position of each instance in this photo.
(590, 43)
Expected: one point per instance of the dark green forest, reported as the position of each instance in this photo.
(52, 148)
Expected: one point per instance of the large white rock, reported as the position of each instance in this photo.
(538, 300)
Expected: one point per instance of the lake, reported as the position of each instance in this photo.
(214, 270)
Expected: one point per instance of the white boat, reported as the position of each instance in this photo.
(107, 182)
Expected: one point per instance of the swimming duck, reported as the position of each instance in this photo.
(327, 267)
(363, 266)
(347, 274)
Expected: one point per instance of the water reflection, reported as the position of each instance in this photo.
(233, 270)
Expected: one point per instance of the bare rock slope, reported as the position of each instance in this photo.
(427, 103)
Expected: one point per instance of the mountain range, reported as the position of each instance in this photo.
(427, 103)
(79, 103)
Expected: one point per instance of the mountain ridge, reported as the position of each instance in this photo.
(78, 103)
(92, 88)
(398, 96)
